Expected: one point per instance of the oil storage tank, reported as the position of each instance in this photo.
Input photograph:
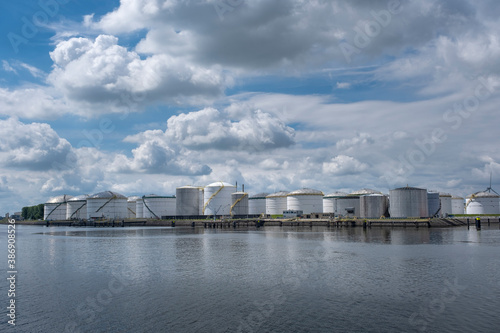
(276, 203)
(217, 198)
(239, 206)
(156, 206)
(55, 208)
(76, 207)
(408, 202)
(445, 200)
(131, 206)
(257, 204)
(482, 203)
(348, 205)
(457, 205)
(139, 208)
(433, 204)
(330, 202)
(189, 201)
(373, 205)
(306, 200)
(107, 204)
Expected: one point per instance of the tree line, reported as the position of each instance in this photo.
(33, 212)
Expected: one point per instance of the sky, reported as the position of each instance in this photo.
(143, 96)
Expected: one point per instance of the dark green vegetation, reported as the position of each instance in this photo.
(33, 212)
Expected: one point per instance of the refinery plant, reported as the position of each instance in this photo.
(221, 199)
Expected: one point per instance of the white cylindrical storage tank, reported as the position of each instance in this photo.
(188, 200)
(330, 202)
(482, 203)
(107, 204)
(132, 206)
(156, 206)
(55, 208)
(257, 204)
(457, 205)
(445, 200)
(276, 203)
(408, 202)
(217, 198)
(239, 206)
(433, 204)
(139, 208)
(76, 207)
(348, 205)
(306, 200)
(372, 205)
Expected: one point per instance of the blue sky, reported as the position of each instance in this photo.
(143, 96)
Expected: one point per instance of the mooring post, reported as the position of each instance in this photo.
(488, 221)
(468, 223)
(478, 223)
(364, 224)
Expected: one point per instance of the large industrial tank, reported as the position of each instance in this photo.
(131, 206)
(408, 202)
(482, 203)
(139, 208)
(276, 203)
(76, 207)
(217, 198)
(445, 200)
(107, 204)
(348, 205)
(55, 208)
(189, 201)
(239, 206)
(257, 204)
(330, 202)
(373, 205)
(433, 204)
(457, 205)
(306, 200)
(156, 206)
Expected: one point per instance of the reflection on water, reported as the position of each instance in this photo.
(267, 280)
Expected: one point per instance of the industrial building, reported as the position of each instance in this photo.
(156, 206)
(131, 206)
(55, 208)
(257, 204)
(445, 202)
(217, 198)
(276, 203)
(457, 205)
(76, 207)
(408, 202)
(330, 202)
(348, 205)
(239, 204)
(373, 206)
(189, 201)
(107, 204)
(485, 202)
(306, 200)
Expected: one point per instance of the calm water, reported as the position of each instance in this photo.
(267, 280)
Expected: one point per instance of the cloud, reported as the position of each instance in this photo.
(101, 71)
(212, 129)
(7, 67)
(31, 146)
(343, 85)
(344, 165)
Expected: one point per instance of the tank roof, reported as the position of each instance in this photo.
(259, 196)
(456, 197)
(409, 188)
(443, 194)
(306, 191)
(59, 199)
(278, 194)
(156, 196)
(82, 197)
(365, 191)
(220, 184)
(133, 198)
(484, 194)
(107, 195)
(337, 194)
(189, 187)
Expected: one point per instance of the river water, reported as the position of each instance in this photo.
(272, 279)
